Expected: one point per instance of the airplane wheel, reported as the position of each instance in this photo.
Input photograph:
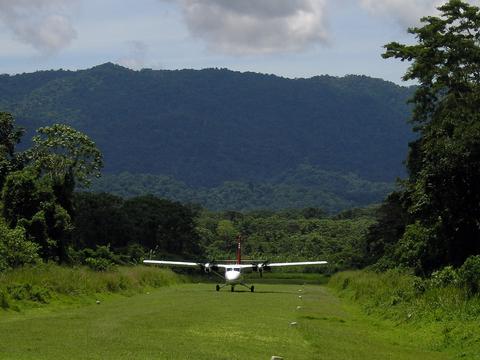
(252, 288)
(232, 289)
(217, 287)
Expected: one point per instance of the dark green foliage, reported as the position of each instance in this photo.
(62, 153)
(306, 186)
(10, 136)
(99, 264)
(15, 249)
(469, 274)
(211, 126)
(100, 220)
(36, 197)
(392, 218)
(286, 235)
(447, 276)
(162, 224)
(100, 259)
(440, 201)
(129, 226)
(29, 201)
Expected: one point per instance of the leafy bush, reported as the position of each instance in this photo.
(100, 259)
(411, 248)
(445, 277)
(469, 274)
(99, 264)
(15, 249)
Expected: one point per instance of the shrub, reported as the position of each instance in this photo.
(412, 247)
(100, 259)
(469, 274)
(445, 277)
(99, 264)
(15, 249)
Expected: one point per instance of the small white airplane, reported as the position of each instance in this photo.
(233, 271)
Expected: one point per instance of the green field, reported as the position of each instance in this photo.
(193, 321)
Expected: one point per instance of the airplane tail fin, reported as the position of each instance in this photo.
(239, 249)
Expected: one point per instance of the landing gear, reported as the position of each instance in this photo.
(232, 287)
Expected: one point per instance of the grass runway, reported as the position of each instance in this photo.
(193, 321)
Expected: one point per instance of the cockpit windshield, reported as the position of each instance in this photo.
(236, 269)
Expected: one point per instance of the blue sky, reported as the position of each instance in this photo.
(292, 38)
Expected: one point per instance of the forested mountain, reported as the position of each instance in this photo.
(306, 186)
(207, 127)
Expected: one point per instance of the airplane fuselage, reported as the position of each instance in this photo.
(233, 275)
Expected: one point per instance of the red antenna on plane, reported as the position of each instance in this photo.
(239, 249)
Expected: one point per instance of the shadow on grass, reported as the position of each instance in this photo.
(227, 290)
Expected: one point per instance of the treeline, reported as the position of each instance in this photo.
(44, 219)
(37, 191)
(305, 186)
(146, 226)
(135, 227)
(289, 235)
(433, 220)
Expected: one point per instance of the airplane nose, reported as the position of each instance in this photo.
(232, 275)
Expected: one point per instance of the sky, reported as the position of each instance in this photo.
(290, 38)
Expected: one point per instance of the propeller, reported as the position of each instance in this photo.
(210, 266)
(261, 267)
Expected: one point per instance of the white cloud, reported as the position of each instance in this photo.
(43, 24)
(256, 26)
(406, 12)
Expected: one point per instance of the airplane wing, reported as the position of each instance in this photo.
(187, 263)
(301, 263)
(255, 264)
(206, 266)
(172, 263)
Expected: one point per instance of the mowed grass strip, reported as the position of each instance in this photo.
(179, 322)
(193, 321)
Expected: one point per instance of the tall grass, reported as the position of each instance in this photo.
(447, 311)
(397, 295)
(43, 283)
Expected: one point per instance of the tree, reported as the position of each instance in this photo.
(67, 157)
(162, 224)
(38, 195)
(61, 152)
(100, 220)
(30, 202)
(444, 163)
(384, 234)
(10, 136)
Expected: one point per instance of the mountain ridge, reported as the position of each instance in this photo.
(206, 127)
